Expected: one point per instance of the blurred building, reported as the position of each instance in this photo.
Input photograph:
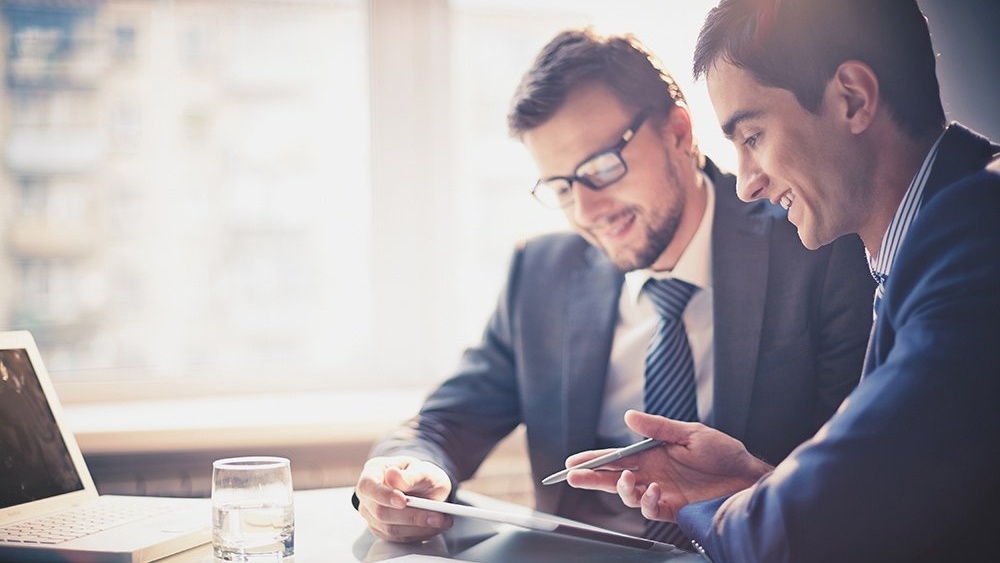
(176, 177)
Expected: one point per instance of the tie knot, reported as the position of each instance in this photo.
(670, 296)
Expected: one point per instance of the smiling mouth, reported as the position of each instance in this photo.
(786, 200)
(615, 225)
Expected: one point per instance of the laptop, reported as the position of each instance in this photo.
(49, 507)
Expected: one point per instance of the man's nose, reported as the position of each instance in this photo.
(587, 203)
(751, 182)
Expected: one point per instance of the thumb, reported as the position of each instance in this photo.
(658, 427)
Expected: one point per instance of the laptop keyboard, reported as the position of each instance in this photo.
(83, 520)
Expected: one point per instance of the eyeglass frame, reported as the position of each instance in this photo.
(543, 184)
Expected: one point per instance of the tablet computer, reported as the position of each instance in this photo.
(542, 522)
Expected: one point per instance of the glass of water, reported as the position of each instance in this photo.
(253, 518)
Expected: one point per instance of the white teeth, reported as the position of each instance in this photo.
(786, 200)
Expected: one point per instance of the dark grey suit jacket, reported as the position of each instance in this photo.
(790, 332)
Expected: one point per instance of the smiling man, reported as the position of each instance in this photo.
(764, 344)
(835, 112)
(798, 159)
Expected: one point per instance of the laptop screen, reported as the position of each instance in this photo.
(34, 460)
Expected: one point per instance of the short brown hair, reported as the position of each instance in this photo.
(578, 58)
(797, 45)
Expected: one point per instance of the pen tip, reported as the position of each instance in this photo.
(556, 478)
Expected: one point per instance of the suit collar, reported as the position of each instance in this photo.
(962, 152)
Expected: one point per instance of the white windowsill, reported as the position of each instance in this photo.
(211, 423)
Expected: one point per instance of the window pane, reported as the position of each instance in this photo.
(185, 186)
(193, 193)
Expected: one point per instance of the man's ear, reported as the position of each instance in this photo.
(856, 91)
(677, 129)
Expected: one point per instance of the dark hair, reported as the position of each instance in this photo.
(578, 58)
(797, 45)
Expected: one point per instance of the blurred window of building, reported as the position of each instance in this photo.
(207, 196)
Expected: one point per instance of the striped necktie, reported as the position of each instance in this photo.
(880, 280)
(669, 388)
(670, 385)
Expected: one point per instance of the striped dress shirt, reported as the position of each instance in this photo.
(881, 264)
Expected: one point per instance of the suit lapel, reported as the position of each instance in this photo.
(962, 152)
(591, 315)
(740, 256)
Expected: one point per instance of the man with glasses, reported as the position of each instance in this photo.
(774, 334)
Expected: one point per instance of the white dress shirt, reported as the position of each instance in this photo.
(637, 320)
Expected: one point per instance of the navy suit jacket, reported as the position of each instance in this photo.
(790, 333)
(909, 468)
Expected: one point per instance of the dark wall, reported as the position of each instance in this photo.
(966, 36)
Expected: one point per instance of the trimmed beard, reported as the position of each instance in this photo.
(660, 232)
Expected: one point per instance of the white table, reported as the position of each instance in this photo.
(329, 530)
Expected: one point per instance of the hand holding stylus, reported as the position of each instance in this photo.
(603, 460)
(694, 463)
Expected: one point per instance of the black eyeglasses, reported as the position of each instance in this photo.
(596, 172)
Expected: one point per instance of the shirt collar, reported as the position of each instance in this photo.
(694, 264)
(881, 265)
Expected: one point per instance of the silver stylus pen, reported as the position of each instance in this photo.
(603, 460)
